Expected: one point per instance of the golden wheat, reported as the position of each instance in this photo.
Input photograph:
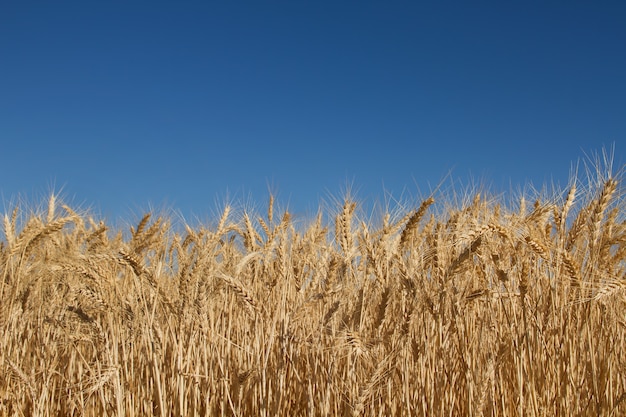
(482, 309)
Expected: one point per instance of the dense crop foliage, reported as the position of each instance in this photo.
(480, 307)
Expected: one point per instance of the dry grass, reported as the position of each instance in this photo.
(438, 310)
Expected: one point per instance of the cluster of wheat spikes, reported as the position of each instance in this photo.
(473, 309)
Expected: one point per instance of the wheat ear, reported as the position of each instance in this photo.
(413, 223)
(610, 186)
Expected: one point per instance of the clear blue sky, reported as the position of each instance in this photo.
(126, 104)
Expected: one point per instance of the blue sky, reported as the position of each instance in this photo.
(127, 105)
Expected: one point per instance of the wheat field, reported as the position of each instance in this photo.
(476, 305)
